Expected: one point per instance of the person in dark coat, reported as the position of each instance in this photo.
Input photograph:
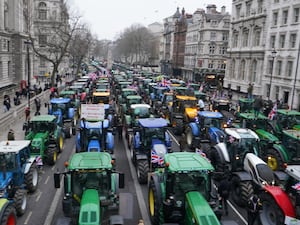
(224, 192)
(257, 105)
(253, 207)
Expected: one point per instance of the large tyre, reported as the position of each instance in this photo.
(142, 168)
(216, 160)
(241, 191)
(189, 137)
(20, 201)
(178, 125)
(8, 216)
(60, 143)
(51, 156)
(271, 213)
(31, 179)
(155, 204)
(274, 160)
(68, 131)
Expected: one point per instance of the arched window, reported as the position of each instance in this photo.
(233, 74)
(253, 71)
(42, 11)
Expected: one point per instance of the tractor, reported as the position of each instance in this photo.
(46, 137)
(95, 136)
(130, 99)
(91, 188)
(207, 127)
(65, 112)
(100, 96)
(183, 191)
(124, 93)
(150, 143)
(18, 173)
(74, 100)
(7, 213)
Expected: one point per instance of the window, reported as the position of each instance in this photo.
(259, 6)
(233, 68)
(256, 41)
(238, 11)
(212, 49)
(210, 64)
(214, 23)
(226, 24)
(275, 18)
(201, 49)
(289, 68)
(248, 8)
(278, 67)
(243, 72)
(245, 38)
(276, 1)
(42, 11)
(253, 71)
(272, 42)
(224, 36)
(296, 15)
(222, 50)
(285, 14)
(281, 40)
(42, 40)
(213, 36)
(270, 66)
(293, 38)
(235, 39)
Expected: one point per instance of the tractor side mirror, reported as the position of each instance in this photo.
(121, 180)
(57, 180)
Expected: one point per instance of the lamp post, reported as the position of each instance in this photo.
(28, 71)
(273, 54)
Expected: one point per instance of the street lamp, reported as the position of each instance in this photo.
(273, 54)
(28, 71)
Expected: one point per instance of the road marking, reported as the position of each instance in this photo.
(28, 217)
(139, 194)
(173, 137)
(47, 179)
(237, 212)
(38, 196)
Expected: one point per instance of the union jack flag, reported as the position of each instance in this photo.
(164, 82)
(296, 186)
(273, 112)
(155, 158)
(201, 88)
(39, 160)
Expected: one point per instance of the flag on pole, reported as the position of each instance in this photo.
(273, 112)
(201, 88)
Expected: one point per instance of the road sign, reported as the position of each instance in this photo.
(92, 111)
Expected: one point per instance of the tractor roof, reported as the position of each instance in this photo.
(135, 106)
(96, 124)
(101, 92)
(43, 118)
(240, 133)
(295, 134)
(67, 92)
(187, 161)
(129, 90)
(251, 116)
(60, 100)
(133, 97)
(246, 100)
(13, 146)
(153, 122)
(90, 161)
(210, 114)
(288, 112)
(160, 87)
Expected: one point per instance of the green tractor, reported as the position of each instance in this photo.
(7, 213)
(183, 191)
(91, 188)
(285, 120)
(46, 137)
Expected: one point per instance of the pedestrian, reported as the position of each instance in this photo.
(257, 105)
(27, 113)
(37, 102)
(120, 128)
(250, 91)
(253, 207)
(182, 142)
(201, 104)
(224, 192)
(11, 135)
(230, 94)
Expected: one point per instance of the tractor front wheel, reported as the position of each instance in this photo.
(241, 191)
(51, 156)
(20, 201)
(274, 160)
(8, 216)
(271, 213)
(155, 204)
(60, 143)
(142, 168)
(31, 179)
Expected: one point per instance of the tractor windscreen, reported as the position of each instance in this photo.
(157, 133)
(8, 160)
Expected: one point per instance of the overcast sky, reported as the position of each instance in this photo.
(109, 18)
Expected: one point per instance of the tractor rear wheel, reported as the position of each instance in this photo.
(274, 160)
(51, 156)
(142, 168)
(31, 179)
(241, 191)
(155, 204)
(271, 213)
(8, 216)
(68, 131)
(20, 201)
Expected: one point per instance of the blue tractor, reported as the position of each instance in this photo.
(18, 173)
(207, 127)
(150, 143)
(95, 136)
(65, 112)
